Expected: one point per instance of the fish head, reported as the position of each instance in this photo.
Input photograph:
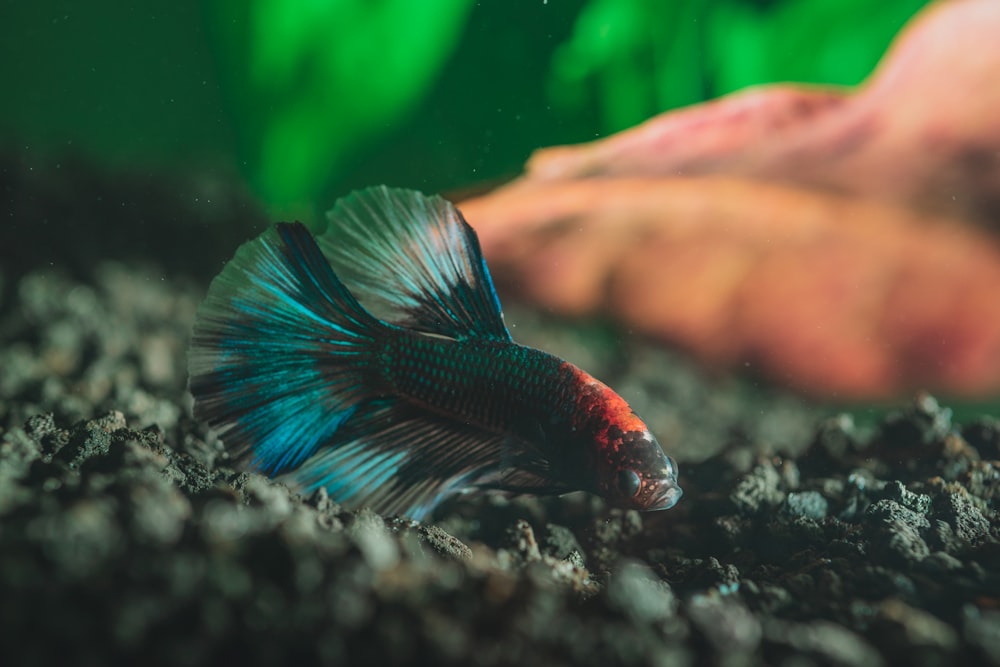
(635, 473)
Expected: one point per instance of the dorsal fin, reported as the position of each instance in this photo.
(413, 261)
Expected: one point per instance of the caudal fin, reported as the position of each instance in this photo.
(281, 351)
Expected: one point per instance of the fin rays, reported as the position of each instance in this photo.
(270, 346)
(398, 460)
(413, 261)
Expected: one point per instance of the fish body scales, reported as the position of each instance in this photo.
(497, 385)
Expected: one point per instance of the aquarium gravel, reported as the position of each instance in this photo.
(806, 535)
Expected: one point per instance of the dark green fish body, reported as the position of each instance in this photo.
(397, 388)
(494, 384)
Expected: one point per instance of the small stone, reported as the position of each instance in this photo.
(833, 644)
(808, 504)
(433, 537)
(758, 491)
(981, 628)
(941, 562)
(915, 628)
(837, 437)
(967, 523)
(729, 627)
(895, 531)
(560, 541)
(915, 502)
(521, 542)
(368, 531)
(635, 590)
(984, 435)
(922, 423)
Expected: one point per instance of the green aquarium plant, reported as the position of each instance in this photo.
(312, 80)
(633, 58)
(299, 93)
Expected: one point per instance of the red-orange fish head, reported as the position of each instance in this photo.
(625, 463)
(633, 472)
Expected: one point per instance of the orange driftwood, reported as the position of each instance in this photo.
(836, 241)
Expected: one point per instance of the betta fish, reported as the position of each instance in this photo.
(373, 361)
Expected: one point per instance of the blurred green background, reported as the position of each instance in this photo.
(306, 99)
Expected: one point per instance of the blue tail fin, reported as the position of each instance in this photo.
(281, 351)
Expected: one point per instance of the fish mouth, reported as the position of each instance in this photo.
(664, 498)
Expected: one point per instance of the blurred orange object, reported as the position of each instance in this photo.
(835, 241)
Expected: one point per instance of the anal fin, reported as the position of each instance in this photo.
(397, 459)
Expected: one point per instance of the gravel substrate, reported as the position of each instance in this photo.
(127, 538)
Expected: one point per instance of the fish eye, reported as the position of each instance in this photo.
(628, 482)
